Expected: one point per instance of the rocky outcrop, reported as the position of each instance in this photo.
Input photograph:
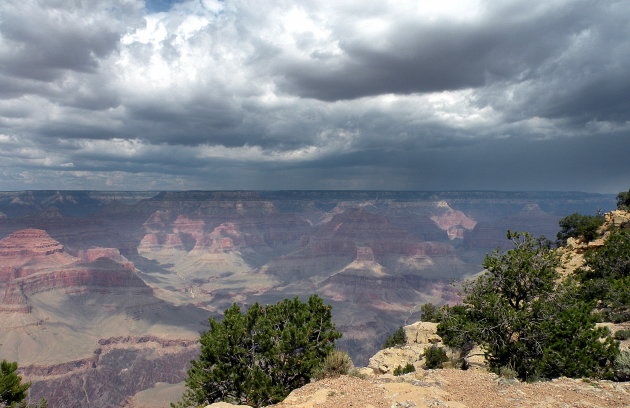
(419, 336)
(573, 252)
(618, 218)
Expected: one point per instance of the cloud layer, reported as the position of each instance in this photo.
(210, 94)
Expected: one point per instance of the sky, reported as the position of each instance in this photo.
(273, 95)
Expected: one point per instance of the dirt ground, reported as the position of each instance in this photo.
(457, 389)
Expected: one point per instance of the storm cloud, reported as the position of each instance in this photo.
(210, 94)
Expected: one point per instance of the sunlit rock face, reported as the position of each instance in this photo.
(100, 287)
(454, 222)
(32, 246)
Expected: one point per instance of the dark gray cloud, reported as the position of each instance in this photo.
(315, 94)
(506, 44)
(43, 40)
(584, 81)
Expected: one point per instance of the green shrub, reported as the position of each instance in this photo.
(507, 372)
(622, 334)
(11, 388)
(356, 373)
(623, 200)
(457, 327)
(605, 277)
(409, 368)
(430, 313)
(525, 319)
(579, 226)
(621, 367)
(335, 364)
(12, 391)
(257, 357)
(397, 338)
(434, 357)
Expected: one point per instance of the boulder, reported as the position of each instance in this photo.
(386, 360)
(422, 333)
(618, 218)
(420, 336)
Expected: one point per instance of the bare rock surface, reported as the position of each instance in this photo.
(420, 336)
(456, 389)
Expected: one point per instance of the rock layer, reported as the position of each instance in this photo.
(115, 370)
(33, 262)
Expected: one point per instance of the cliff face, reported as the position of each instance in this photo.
(55, 306)
(32, 262)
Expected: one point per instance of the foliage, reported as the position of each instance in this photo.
(623, 200)
(507, 372)
(605, 277)
(526, 320)
(621, 368)
(409, 368)
(457, 328)
(335, 364)
(435, 357)
(579, 226)
(622, 334)
(354, 372)
(257, 357)
(430, 313)
(397, 338)
(12, 390)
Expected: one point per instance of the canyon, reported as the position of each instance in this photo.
(103, 294)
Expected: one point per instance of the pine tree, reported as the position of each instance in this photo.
(526, 320)
(259, 356)
(605, 277)
(12, 391)
(396, 339)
